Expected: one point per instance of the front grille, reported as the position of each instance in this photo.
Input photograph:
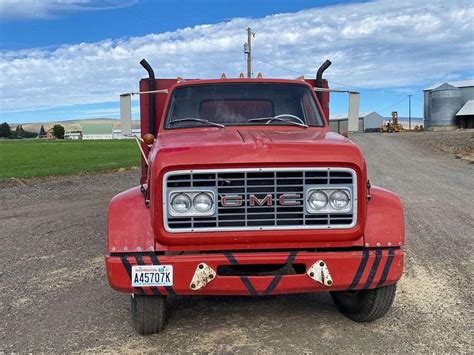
(259, 184)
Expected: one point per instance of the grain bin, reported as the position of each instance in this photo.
(445, 102)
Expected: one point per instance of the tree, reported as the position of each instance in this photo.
(58, 131)
(19, 131)
(28, 134)
(5, 130)
(42, 132)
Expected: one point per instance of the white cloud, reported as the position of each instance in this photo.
(19, 9)
(379, 44)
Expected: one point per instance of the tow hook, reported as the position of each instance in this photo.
(202, 276)
(319, 272)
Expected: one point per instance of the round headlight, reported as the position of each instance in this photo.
(339, 200)
(203, 202)
(317, 200)
(181, 203)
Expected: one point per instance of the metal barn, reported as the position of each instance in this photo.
(367, 121)
(466, 115)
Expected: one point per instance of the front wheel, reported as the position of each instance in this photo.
(148, 313)
(365, 305)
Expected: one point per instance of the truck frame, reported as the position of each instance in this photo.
(238, 196)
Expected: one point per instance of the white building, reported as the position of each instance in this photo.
(367, 121)
(117, 134)
(96, 131)
(74, 135)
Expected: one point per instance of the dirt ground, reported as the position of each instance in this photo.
(458, 143)
(54, 294)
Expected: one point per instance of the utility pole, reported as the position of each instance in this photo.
(248, 51)
(409, 111)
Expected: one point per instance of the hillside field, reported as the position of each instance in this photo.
(38, 158)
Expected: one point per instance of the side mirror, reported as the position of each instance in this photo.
(126, 114)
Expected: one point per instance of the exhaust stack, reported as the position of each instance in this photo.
(319, 78)
(151, 97)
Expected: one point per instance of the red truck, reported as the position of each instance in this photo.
(245, 191)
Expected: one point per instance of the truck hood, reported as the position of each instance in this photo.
(248, 147)
(225, 137)
(253, 148)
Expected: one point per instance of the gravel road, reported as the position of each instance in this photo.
(54, 294)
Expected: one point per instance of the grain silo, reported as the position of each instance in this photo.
(445, 102)
(444, 99)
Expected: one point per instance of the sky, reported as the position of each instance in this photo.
(70, 59)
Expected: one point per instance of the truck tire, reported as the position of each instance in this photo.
(365, 305)
(148, 313)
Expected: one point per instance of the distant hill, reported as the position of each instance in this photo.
(71, 125)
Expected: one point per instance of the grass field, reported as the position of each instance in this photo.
(36, 158)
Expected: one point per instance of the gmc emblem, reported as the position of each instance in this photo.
(267, 200)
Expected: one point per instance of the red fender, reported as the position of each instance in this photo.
(129, 224)
(384, 227)
(385, 223)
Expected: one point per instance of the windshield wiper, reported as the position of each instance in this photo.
(201, 120)
(280, 118)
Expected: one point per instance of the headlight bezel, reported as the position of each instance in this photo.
(191, 193)
(328, 190)
(317, 191)
(204, 194)
(331, 199)
(176, 195)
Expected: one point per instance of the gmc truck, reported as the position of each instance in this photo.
(244, 190)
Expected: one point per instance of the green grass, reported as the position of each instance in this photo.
(36, 158)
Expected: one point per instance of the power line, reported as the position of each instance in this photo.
(421, 99)
(204, 40)
(396, 104)
(256, 58)
(276, 66)
(380, 90)
(156, 23)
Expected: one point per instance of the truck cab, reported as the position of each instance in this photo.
(245, 191)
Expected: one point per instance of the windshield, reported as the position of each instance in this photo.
(239, 104)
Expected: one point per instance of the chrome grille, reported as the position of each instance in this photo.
(260, 183)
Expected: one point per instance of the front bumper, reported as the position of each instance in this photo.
(350, 270)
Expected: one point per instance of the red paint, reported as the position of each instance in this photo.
(129, 225)
(282, 147)
(135, 227)
(385, 223)
(342, 267)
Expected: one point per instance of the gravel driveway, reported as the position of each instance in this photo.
(54, 294)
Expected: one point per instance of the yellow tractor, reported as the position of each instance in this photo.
(392, 125)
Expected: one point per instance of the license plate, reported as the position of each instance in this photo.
(152, 275)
